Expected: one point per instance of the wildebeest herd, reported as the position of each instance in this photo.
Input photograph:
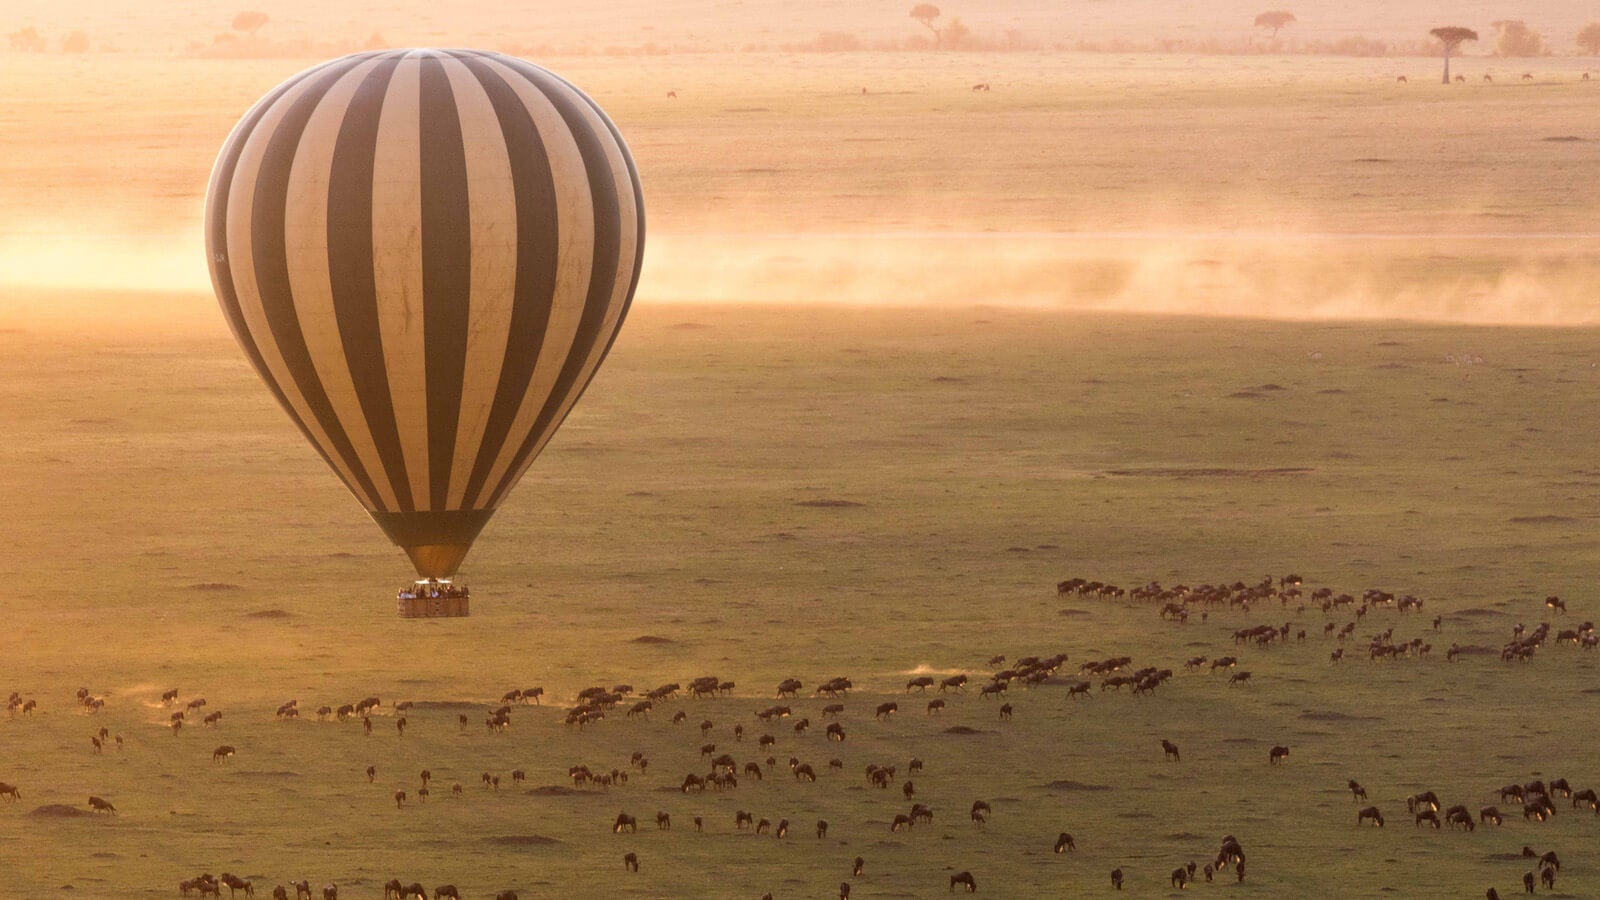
(763, 737)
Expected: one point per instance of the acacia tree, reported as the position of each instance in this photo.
(1452, 36)
(1275, 19)
(926, 13)
(1589, 38)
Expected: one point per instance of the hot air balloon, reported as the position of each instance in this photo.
(426, 255)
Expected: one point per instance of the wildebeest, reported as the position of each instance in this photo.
(625, 821)
(222, 753)
(1116, 879)
(663, 821)
(98, 804)
(1180, 877)
(1547, 877)
(901, 820)
(281, 893)
(783, 828)
(235, 883)
(742, 818)
(965, 879)
(858, 867)
(1277, 754)
(885, 710)
(1170, 750)
(506, 895)
(1527, 882)
(1357, 792)
(1005, 710)
(1550, 861)
(302, 889)
(1239, 677)
(399, 799)
(1064, 843)
(1370, 812)
(10, 791)
(446, 891)
(921, 683)
(330, 891)
(1429, 816)
(630, 862)
(1587, 797)
(844, 886)
(1490, 814)
(822, 828)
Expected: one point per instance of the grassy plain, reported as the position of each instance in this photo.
(166, 527)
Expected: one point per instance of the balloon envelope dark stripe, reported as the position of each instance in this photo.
(603, 190)
(537, 234)
(221, 264)
(352, 280)
(268, 239)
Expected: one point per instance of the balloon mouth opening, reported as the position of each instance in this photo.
(433, 561)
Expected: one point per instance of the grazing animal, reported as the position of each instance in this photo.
(399, 799)
(98, 804)
(1429, 816)
(235, 883)
(783, 828)
(822, 828)
(506, 895)
(885, 710)
(1550, 861)
(1277, 755)
(1370, 812)
(1401, 79)
(859, 866)
(630, 862)
(444, 891)
(1065, 843)
(625, 821)
(281, 893)
(10, 791)
(742, 818)
(1170, 750)
(1116, 879)
(1357, 792)
(1180, 877)
(1491, 894)
(1527, 882)
(1547, 877)
(663, 821)
(901, 820)
(1005, 710)
(1239, 677)
(302, 889)
(965, 879)
(222, 753)
(372, 773)
(980, 87)
(1490, 814)
(330, 892)
(844, 886)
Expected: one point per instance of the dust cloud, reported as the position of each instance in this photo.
(1471, 279)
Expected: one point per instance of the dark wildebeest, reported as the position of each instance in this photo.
(630, 862)
(901, 820)
(222, 753)
(1357, 792)
(235, 883)
(280, 893)
(663, 821)
(1490, 814)
(399, 799)
(964, 878)
(1277, 754)
(783, 828)
(330, 891)
(742, 818)
(1547, 877)
(1428, 816)
(1527, 882)
(1370, 812)
(1180, 877)
(885, 710)
(446, 890)
(1005, 710)
(844, 886)
(1586, 797)
(763, 826)
(392, 889)
(1065, 843)
(822, 828)
(981, 811)
(10, 791)
(1170, 749)
(1550, 861)
(1116, 879)
(302, 889)
(1238, 677)
(859, 866)
(625, 821)
(101, 805)
(506, 895)
(1491, 894)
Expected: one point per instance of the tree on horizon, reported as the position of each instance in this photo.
(1452, 36)
(1589, 38)
(1275, 19)
(926, 13)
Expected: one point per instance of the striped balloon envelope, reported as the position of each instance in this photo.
(426, 254)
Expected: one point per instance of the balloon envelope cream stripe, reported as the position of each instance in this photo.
(426, 255)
